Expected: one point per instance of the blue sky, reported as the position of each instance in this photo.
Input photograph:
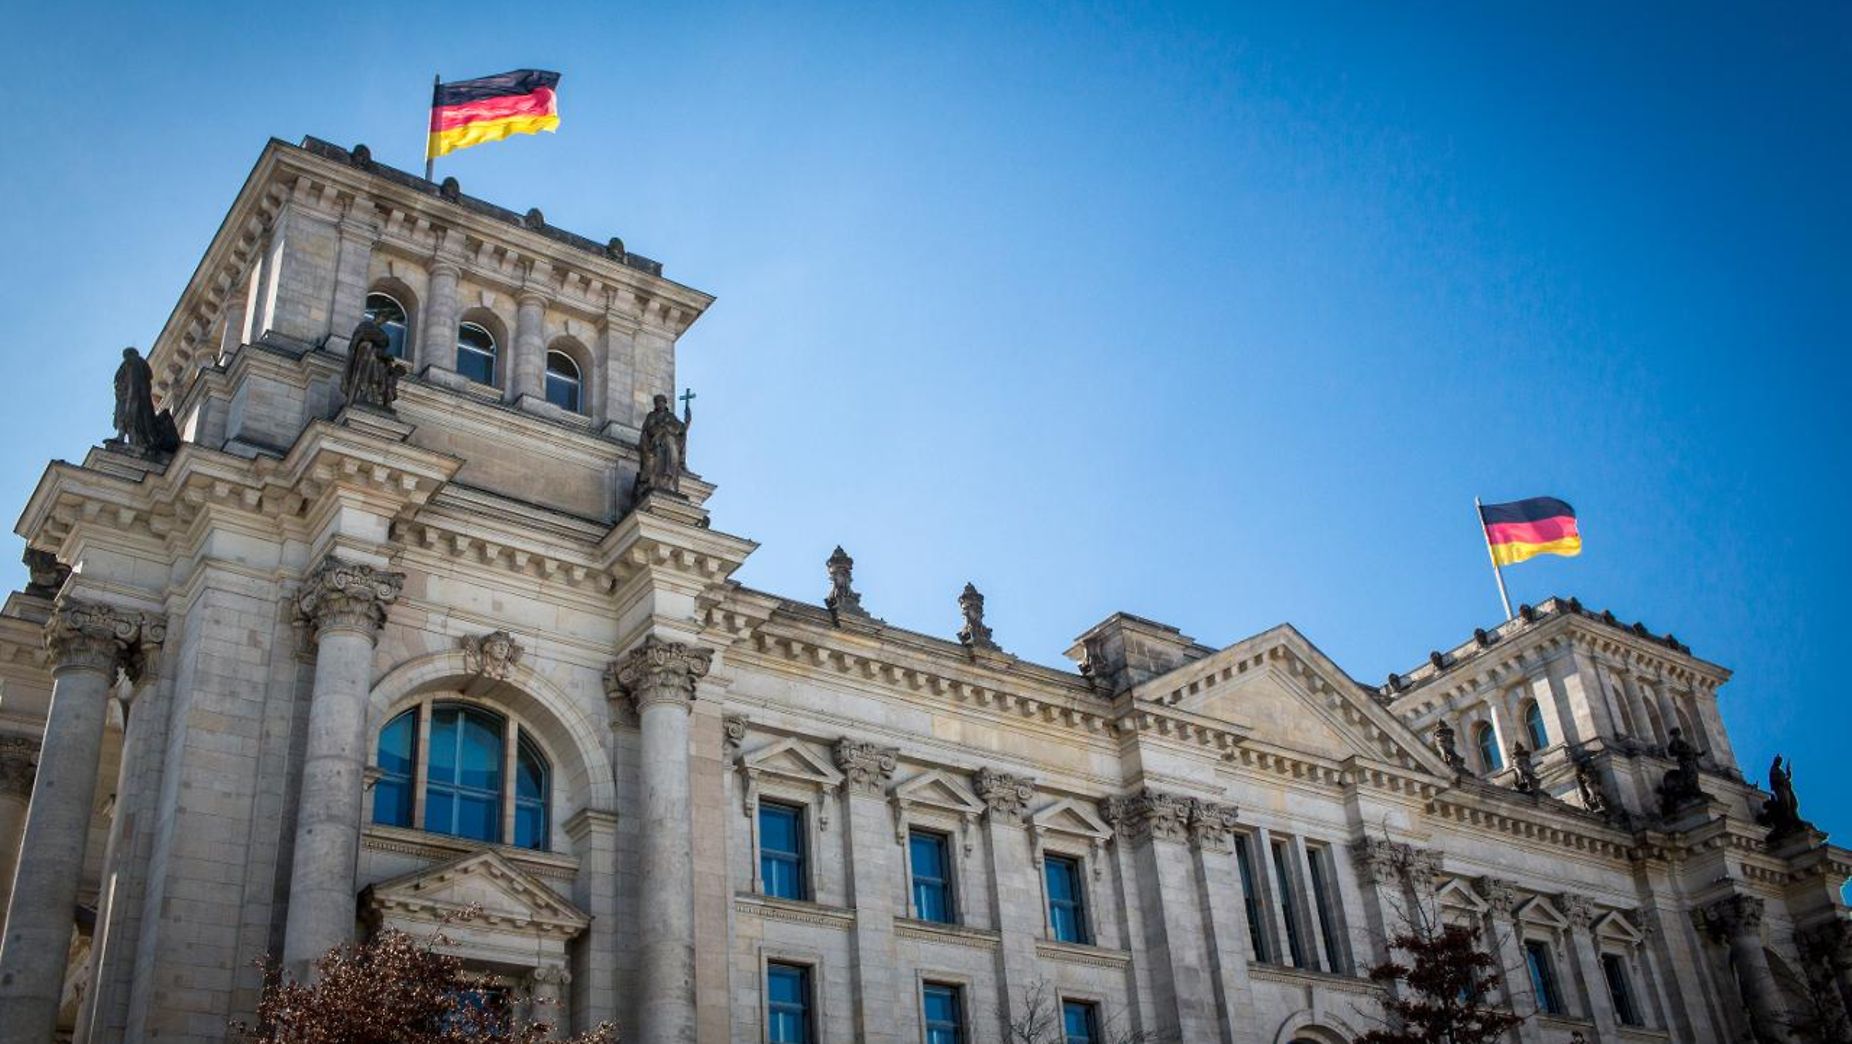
(1218, 315)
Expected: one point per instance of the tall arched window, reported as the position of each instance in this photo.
(1487, 740)
(386, 310)
(1533, 724)
(476, 353)
(563, 384)
(484, 778)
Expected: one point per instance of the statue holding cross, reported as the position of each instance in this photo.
(663, 450)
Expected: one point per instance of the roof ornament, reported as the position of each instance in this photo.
(843, 598)
(975, 635)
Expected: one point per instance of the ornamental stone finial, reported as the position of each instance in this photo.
(975, 634)
(1006, 796)
(347, 596)
(867, 767)
(19, 760)
(843, 599)
(491, 655)
(99, 637)
(658, 672)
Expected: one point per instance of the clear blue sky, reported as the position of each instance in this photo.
(1220, 316)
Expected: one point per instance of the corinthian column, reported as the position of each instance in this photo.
(346, 605)
(659, 679)
(88, 643)
(19, 756)
(1737, 921)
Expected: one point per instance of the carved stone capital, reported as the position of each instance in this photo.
(1007, 797)
(658, 672)
(1148, 813)
(1578, 910)
(1499, 894)
(867, 768)
(1729, 917)
(19, 760)
(347, 596)
(98, 637)
(491, 655)
(551, 976)
(1210, 825)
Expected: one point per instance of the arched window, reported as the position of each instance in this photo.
(476, 353)
(386, 310)
(1487, 740)
(1533, 724)
(465, 754)
(563, 385)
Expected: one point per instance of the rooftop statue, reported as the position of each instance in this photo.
(1444, 741)
(843, 597)
(138, 426)
(975, 635)
(372, 376)
(1680, 786)
(663, 449)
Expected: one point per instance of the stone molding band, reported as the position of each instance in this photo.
(347, 596)
(658, 672)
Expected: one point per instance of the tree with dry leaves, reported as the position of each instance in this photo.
(1444, 982)
(394, 989)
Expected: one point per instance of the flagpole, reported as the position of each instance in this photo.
(437, 80)
(1503, 598)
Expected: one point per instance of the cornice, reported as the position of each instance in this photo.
(1077, 953)
(1484, 809)
(814, 914)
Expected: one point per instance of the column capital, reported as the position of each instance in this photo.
(1499, 894)
(1005, 796)
(1730, 916)
(867, 767)
(1577, 909)
(347, 596)
(1210, 825)
(19, 760)
(100, 637)
(444, 267)
(657, 672)
(1148, 813)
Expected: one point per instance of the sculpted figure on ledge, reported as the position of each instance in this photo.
(663, 449)
(372, 375)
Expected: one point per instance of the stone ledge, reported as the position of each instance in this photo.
(1307, 977)
(954, 934)
(1642, 1033)
(764, 906)
(1079, 953)
(441, 847)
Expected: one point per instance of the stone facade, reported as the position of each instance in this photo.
(231, 725)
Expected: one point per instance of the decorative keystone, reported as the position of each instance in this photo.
(491, 655)
(867, 767)
(348, 596)
(658, 672)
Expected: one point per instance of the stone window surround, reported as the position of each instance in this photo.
(961, 982)
(1312, 942)
(1089, 897)
(812, 820)
(784, 953)
(516, 725)
(1332, 926)
(1556, 946)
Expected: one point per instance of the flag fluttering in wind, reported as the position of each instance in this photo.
(1524, 529)
(470, 112)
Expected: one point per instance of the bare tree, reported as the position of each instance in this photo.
(1041, 1021)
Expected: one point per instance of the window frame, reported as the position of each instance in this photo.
(1485, 742)
(1545, 984)
(1535, 728)
(1625, 1001)
(1091, 1010)
(1280, 848)
(404, 354)
(961, 1015)
(577, 380)
(1078, 904)
(800, 859)
(494, 353)
(514, 737)
(806, 986)
(947, 884)
(1252, 899)
(1327, 906)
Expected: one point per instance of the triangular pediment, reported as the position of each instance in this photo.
(1068, 816)
(939, 789)
(1455, 893)
(1284, 692)
(1614, 926)
(486, 882)
(791, 759)
(1539, 910)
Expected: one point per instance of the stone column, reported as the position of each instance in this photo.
(659, 679)
(19, 757)
(1154, 825)
(354, 255)
(346, 604)
(1501, 899)
(867, 770)
(1019, 910)
(1736, 921)
(438, 335)
(88, 643)
(547, 986)
(527, 367)
(1210, 829)
(1580, 914)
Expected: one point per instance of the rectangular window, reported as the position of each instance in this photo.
(943, 1007)
(1080, 1022)
(930, 856)
(1620, 992)
(1317, 862)
(1067, 906)
(1543, 977)
(782, 873)
(787, 1004)
(1250, 898)
(1289, 906)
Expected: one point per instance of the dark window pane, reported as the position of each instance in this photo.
(781, 851)
(1533, 723)
(787, 1004)
(1620, 992)
(1250, 898)
(1489, 756)
(476, 353)
(944, 1020)
(463, 789)
(563, 383)
(932, 886)
(398, 751)
(1543, 977)
(1316, 864)
(1067, 911)
(390, 315)
(1288, 905)
(1080, 1022)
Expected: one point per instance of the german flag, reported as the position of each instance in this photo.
(1525, 529)
(470, 112)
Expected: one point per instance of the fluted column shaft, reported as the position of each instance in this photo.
(88, 643)
(346, 605)
(659, 679)
(438, 344)
(528, 365)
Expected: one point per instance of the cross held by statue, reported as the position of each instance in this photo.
(687, 397)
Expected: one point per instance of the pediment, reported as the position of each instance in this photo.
(794, 760)
(1286, 693)
(1455, 893)
(1539, 910)
(937, 788)
(501, 893)
(1613, 925)
(1068, 816)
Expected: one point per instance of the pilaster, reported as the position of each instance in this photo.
(1736, 922)
(1019, 906)
(867, 770)
(1157, 827)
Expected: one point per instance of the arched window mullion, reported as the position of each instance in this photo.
(472, 772)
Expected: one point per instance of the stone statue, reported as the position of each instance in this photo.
(1527, 782)
(372, 376)
(1781, 813)
(843, 598)
(1680, 786)
(1589, 789)
(663, 450)
(45, 575)
(136, 424)
(1444, 737)
(491, 655)
(975, 635)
